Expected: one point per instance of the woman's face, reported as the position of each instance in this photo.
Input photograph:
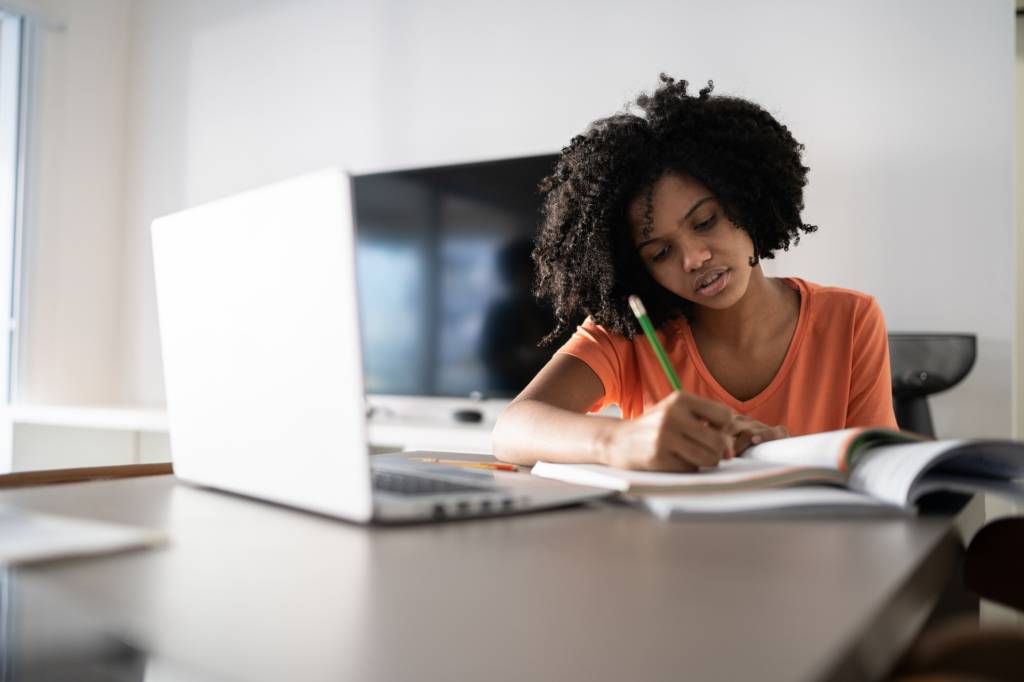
(691, 248)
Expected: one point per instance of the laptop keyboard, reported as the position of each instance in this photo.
(410, 484)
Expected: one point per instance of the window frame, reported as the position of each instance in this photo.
(14, 99)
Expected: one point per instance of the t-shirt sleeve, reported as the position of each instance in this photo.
(598, 348)
(870, 402)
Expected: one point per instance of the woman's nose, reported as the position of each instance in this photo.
(695, 256)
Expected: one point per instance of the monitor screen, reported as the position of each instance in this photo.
(445, 277)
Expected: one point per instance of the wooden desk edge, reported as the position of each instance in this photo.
(893, 628)
(78, 474)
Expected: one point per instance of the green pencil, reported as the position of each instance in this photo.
(641, 315)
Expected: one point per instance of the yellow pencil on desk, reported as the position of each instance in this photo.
(494, 466)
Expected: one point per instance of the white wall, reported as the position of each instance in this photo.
(912, 181)
(905, 109)
(72, 269)
(1018, 183)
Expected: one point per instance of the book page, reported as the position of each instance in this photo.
(933, 482)
(817, 449)
(992, 458)
(888, 472)
(832, 449)
(738, 473)
(801, 502)
(896, 473)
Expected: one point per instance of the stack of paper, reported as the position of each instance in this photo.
(805, 501)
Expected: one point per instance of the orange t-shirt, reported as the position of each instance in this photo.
(835, 374)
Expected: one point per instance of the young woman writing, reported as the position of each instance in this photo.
(678, 204)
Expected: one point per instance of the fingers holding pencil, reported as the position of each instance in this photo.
(683, 432)
(705, 422)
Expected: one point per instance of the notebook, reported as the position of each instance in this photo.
(884, 467)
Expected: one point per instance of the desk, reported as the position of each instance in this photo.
(252, 591)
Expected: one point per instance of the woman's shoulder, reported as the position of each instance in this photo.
(596, 333)
(831, 300)
(668, 330)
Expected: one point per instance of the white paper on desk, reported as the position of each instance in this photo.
(803, 501)
(29, 537)
(737, 471)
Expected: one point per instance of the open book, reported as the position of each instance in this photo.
(888, 468)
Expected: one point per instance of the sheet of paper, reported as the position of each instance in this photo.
(734, 472)
(803, 501)
(29, 537)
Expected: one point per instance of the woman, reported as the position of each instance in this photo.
(678, 204)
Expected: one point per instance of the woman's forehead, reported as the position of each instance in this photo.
(671, 196)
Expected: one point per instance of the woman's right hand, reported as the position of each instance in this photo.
(681, 433)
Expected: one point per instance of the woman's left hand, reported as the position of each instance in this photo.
(748, 432)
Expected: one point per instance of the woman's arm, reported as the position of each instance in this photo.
(548, 421)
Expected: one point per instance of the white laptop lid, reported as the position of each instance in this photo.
(260, 334)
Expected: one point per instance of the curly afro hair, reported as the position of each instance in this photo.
(586, 262)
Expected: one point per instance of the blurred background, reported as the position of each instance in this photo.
(115, 112)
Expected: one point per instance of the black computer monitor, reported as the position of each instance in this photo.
(445, 278)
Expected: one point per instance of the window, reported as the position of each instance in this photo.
(12, 87)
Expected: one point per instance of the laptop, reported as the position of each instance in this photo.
(259, 326)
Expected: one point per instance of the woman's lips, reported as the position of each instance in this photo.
(717, 282)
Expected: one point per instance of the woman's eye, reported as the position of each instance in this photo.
(660, 255)
(707, 223)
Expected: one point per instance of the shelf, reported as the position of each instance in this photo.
(419, 433)
(110, 418)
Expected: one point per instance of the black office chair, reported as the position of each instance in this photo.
(923, 365)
